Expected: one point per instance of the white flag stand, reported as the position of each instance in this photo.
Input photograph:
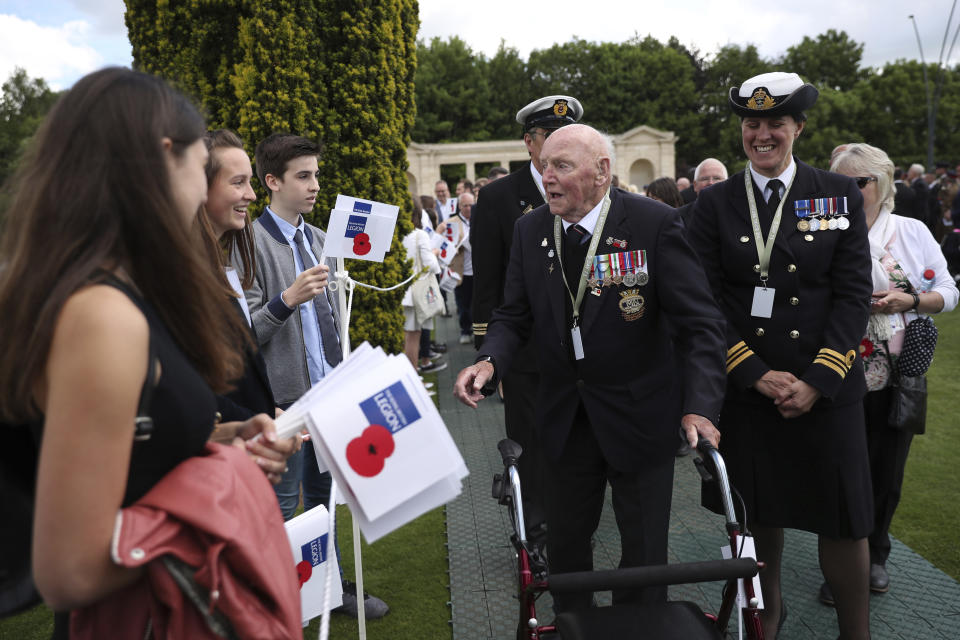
(343, 285)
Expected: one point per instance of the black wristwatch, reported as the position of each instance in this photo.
(916, 300)
(491, 385)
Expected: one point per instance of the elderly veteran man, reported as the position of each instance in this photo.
(596, 277)
(785, 248)
(498, 206)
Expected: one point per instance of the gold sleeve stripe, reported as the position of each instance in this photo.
(732, 365)
(839, 360)
(829, 363)
(735, 348)
(736, 354)
(830, 352)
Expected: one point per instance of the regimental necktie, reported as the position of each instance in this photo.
(328, 328)
(774, 200)
(577, 234)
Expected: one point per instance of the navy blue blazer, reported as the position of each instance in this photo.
(627, 381)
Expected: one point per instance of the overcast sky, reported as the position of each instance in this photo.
(60, 40)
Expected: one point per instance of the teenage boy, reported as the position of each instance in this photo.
(294, 313)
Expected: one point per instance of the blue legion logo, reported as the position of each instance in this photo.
(355, 225)
(315, 551)
(391, 407)
(362, 207)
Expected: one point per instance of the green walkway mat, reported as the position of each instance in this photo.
(922, 603)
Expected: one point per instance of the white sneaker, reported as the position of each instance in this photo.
(465, 339)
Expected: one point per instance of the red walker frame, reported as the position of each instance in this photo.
(532, 573)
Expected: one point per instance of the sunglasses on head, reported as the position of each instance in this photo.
(863, 181)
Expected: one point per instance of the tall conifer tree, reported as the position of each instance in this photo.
(337, 71)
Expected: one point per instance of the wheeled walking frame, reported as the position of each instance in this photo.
(664, 620)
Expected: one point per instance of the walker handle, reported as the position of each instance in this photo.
(510, 452)
(704, 446)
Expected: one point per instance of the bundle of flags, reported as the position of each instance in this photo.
(376, 429)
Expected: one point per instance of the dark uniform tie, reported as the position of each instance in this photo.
(774, 200)
(574, 253)
(328, 328)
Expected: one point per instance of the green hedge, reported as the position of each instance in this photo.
(339, 72)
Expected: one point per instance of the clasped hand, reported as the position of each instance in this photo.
(892, 301)
(269, 452)
(793, 397)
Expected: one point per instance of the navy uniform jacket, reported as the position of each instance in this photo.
(499, 205)
(627, 379)
(823, 287)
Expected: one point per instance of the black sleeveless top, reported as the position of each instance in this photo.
(182, 407)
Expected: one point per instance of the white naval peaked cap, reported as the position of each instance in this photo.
(550, 112)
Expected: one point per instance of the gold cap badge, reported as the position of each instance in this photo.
(560, 108)
(760, 100)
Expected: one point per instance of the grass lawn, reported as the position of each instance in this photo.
(927, 517)
(407, 569)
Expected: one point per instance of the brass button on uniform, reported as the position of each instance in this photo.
(794, 300)
(760, 331)
(791, 268)
(794, 334)
(756, 268)
(808, 237)
(744, 239)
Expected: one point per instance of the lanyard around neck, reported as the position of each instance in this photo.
(594, 241)
(764, 250)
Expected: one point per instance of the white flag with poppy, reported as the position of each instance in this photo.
(309, 540)
(360, 229)
(448, 248)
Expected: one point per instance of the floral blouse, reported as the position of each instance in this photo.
(874, 350)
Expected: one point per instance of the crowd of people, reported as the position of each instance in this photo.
(805, 279)
(154, 333)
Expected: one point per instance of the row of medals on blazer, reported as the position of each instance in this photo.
(630, 278)
(821, 214)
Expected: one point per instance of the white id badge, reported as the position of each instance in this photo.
(577, 343)
(762, 302)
